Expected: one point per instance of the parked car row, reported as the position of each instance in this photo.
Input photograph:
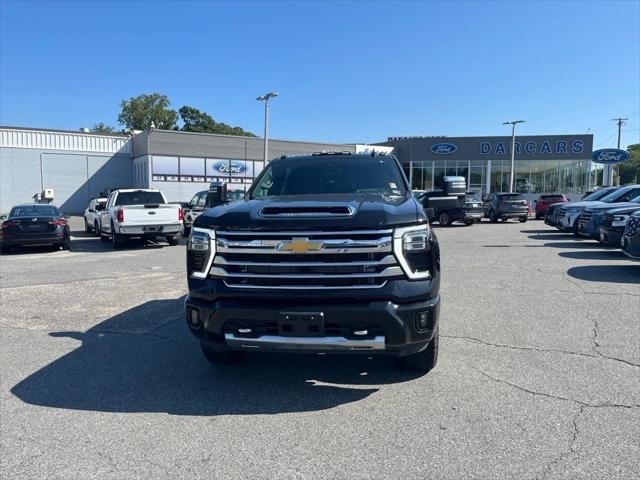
(609, 215)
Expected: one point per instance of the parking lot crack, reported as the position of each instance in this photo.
(572, 445)
(556, 397)
(537, 349)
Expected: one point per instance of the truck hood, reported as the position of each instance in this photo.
(367, 212)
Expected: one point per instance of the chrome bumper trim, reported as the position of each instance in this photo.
(305, 343)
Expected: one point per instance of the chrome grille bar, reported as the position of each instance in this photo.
(387, 272)
(388, 260)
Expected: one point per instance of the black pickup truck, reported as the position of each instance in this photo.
(327, 252)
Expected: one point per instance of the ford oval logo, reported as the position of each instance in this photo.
(229, 167)
(443, 148)
(610, 156)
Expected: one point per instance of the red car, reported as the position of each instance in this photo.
(545, 201)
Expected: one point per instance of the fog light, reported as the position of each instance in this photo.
(194, 318)
(422, 320)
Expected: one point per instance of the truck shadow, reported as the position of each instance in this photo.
(629, 274)
(119, 367)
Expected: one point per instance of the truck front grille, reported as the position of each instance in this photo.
(305, 260)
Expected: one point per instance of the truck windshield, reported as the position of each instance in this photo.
(139, 198)
(323, 175)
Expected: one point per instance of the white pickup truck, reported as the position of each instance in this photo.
(141, 213)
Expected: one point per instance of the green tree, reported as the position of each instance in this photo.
(629, 171)
(103, 128)
(144, 110)
(196, 121)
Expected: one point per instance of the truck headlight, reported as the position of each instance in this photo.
(620, 220)
(199, 240)
(201, 248)
(413, 251)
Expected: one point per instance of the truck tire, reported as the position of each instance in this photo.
(173, 240)
(444, 219)
(493, 217)
(116, 240)
(425, 360)
(185, 231)
(468, 222)
(523, 219)
(224, 357)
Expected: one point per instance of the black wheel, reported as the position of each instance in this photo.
(538, 216)
(425, 360)
(221, 357)
(468, 222)
(116, 240)
(173, 240)
(444, 219)
(64, 246)
(103, 237)
(5, 248)
(87, 228)
(185, 231)
(493, 217)
(523, 219)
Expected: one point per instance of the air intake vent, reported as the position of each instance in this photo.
(336, 210)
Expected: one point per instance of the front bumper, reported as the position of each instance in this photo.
(391, 328)
(568, 222)
(589, 229)
(611, 237)
(631, 246)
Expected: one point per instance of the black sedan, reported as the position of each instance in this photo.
(34, 224)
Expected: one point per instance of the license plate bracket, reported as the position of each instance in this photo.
(301, 324)
(151, 228)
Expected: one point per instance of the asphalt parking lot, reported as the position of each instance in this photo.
(538, 374)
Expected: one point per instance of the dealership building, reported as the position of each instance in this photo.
(79, 165)
(543, 163)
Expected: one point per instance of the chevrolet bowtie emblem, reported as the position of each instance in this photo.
(301, 245)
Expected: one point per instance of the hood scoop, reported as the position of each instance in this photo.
(311, 211)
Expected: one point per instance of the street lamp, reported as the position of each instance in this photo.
(265, 98)
(513, 150)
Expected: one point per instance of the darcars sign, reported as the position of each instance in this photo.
(443, 148)
(610, 156)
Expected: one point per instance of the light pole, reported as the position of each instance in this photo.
(265, 98)
(513, 150)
